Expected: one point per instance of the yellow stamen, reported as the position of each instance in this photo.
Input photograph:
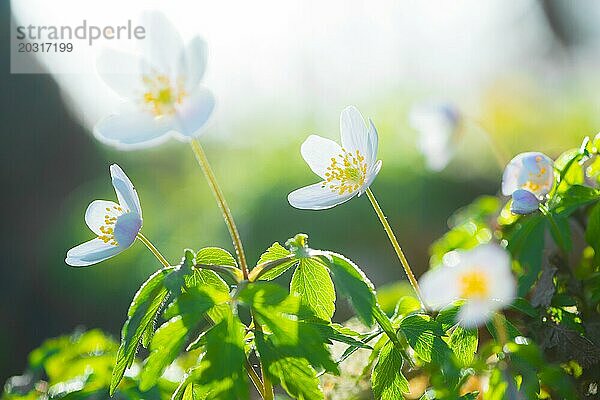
(108, 229)
(473, 284)
(346, 173)
(162, 95)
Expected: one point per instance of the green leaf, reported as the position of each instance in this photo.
(425, 337)
(185, 313)
(463, 343)
(337, 333)
(576, 196)
(278, 312)
(511, 330)
(592, 233)
(272, 255)
(222, 367)
(215, 256)
(526, 244)
(311, 281)
(142, 312)
(521, 304)
(294, 374)
(354, 284)
(387, 379)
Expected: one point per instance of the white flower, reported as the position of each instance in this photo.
(160, 86)
(116, 225)
(481, 277)
(438, 125)
(532, 171)
(347, 170)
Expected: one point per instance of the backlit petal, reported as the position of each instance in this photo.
(96, 212)
(524, 202)
(354, 132)
(163, 47)
(195, 63)
(134, 130)
(318, 151)
(475, 313)
(121, 71)
(194, 113)
(316, 197)
(126, 193)
(438, 288)
(91, 252)
(126, 229)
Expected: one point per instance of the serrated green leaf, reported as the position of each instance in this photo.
(215, 256)
(274, 253)
(425, 337)
(335, 332)
(387, 379)
(311, 281)
(206, 278)
(463, 342)
(354, 284)
(185, 313)
(576, 196)
(142, 312)
(526, 244)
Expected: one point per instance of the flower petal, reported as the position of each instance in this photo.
(354, 132)
(316, 197)
(437, 287)
(371, 156)
(95, 213)
(91, 252)
(126, 193)
(318, 151)
(163, 47)
(194, 113)
(475, 313)
(133, 130)
(120, 71)
(533, 171)
(195, 63)
(524, 202)
(126, 229)
(371, 175)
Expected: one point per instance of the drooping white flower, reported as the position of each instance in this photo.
(116, 225)
(438, 126)
(481, 277)
(161, 88)
(528, 178)
(346, 171)
(532, 171)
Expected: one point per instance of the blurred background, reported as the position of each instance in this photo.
(526, 72)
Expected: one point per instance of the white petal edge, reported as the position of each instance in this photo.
(194, 113)
(126, 193)
(318, 151)
(354, 132)
(195, 62)
(132, 131)
(476, 313)
(91, 252)
(438, 287)
(373, 143)
(163, 47)
(371, 175)
(121, 71)
(316, 197)
(94, 215)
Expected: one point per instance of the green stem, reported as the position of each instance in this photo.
(500, 328)
(153, 249)
(255, 378)
(227, 216)
(268, 393)
(396, 246)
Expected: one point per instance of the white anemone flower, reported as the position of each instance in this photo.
(531, 171)
(160, 86)
(116, 225)
(438, 126)
(346, 171)
(481, 277)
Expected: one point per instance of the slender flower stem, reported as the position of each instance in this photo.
(255, 378)
(500, 328)
(268, 393)
(396, 245)
(153, 249)
(212, 182)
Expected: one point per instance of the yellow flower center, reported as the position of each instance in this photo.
(108, 229)
(162, 95)
(346, 173)
(473, 285)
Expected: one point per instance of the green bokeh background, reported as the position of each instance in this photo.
(52, 168)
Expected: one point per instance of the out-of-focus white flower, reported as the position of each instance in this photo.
(347, 170)
(160, 86)
(528, 178)
(116, 225)
(438, 125)
(481, 277)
